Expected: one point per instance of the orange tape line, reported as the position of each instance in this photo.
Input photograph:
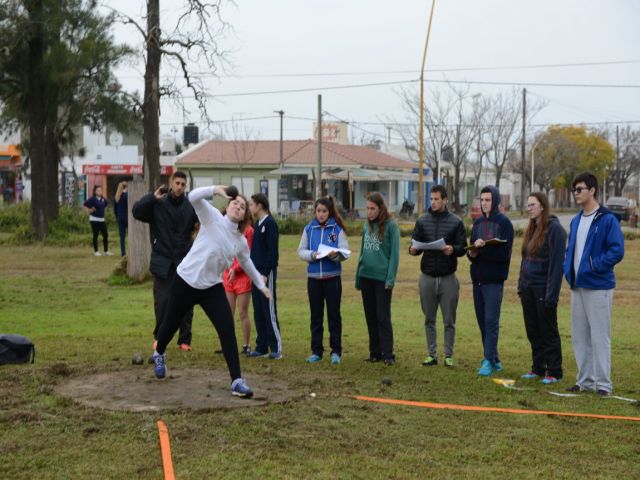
(165, 447)
(472, 408)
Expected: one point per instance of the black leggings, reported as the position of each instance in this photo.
(100, 227)
(213, 301)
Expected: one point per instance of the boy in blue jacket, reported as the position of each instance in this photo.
(596, 245)
(490, 255)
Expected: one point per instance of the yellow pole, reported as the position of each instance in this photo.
(421, 141)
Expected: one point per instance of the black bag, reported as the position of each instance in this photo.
(16, 349)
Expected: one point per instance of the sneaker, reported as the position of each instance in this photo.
(275, 356)
(108, 253)
(448, 361)
(159, 368)
(430, 361)
(335, 359)
(498, 366)
(185, 347)
(239, 388)
(389, 361)
(575, 389)
(246, 349)
(256, 354)
(485, 369)
(603, 393)
(314, 358)
(373, 358)
(150, 361)
(549, 379)
(97, 254)
(530, 376)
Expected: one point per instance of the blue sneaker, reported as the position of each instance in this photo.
(239, 388)
(335, 359)
(485, 369)
(549, 379)
(314, 358)
(256, 354)
(159, 368)
(498, 366)
(275, 356)
(529, 376)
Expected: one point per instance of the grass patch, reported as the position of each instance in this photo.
(84, 318)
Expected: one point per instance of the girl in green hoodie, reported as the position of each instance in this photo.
(376, 276)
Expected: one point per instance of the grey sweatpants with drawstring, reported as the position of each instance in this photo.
(444, 292)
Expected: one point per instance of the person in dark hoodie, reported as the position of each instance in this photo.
(539, 285)
(596, 245)
(490, 255)
(438, 283)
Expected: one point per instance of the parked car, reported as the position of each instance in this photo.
(621, 207)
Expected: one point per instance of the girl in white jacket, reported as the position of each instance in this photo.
(199, 278)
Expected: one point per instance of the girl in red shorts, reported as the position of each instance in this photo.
(237, 285)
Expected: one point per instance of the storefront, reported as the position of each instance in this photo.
(11, 181)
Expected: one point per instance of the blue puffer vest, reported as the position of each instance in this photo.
(329, 235)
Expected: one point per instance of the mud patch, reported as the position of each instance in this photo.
(137, 391)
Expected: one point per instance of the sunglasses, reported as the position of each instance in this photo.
(577, 190)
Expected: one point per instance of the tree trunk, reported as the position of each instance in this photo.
(139, 247)
(151, 106)
(39, 225)
(52, 159)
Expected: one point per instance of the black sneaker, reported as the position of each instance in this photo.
(246, 349)
(603, 393)
(389, 361)
(430, 361)
(373, 358)
(575, 389)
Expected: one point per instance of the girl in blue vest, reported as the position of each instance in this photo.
(324, 283)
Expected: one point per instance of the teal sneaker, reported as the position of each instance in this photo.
(314, 358)
(485, 369)
(549, 379)
(530, 376)
(335, 359)
(498, 366)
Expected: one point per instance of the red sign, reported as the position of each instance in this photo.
(121, 170)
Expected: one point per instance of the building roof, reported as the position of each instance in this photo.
(296, 153)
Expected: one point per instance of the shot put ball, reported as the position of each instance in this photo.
(232, 191)
(137, 359)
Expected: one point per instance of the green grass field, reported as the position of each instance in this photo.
(60, 298)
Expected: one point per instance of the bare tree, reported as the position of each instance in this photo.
(245, 142)
(627, 164)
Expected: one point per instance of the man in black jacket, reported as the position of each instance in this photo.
(438, 283)
(172, 221)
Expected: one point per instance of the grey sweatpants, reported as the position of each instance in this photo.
(443, 292)
(591, 328)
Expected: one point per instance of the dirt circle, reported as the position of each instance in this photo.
(136, 390)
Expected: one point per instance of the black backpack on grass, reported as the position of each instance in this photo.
(16, 349)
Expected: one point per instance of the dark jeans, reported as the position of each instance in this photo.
(100, 228)
(213, 301)
(265, 316)
(541, 324)
(161, 295)
(327, 290)
(377, 311)
(122, 230)
(487, 300)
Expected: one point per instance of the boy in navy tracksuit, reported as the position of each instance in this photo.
(324, 281)
(489, 270)
(264, 254)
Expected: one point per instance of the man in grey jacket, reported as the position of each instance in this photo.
(438, 283)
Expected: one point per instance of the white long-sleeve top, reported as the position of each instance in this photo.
(218, 242)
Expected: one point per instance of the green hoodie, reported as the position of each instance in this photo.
(379, 259)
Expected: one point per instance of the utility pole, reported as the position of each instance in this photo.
(388, 135)
(616, 178)
(523, 142)
(281, 113)
(319, 138)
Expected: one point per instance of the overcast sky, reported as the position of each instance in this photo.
(353, 42)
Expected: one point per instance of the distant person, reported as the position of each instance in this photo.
(96, 206)
(489, 270)
(198, 280)
(376, 276)
(543, 249)
(438, 283)
(122, 214)
(596, 245)
(237, 286)
(324, 276)
(264, 254)
(172, 221)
